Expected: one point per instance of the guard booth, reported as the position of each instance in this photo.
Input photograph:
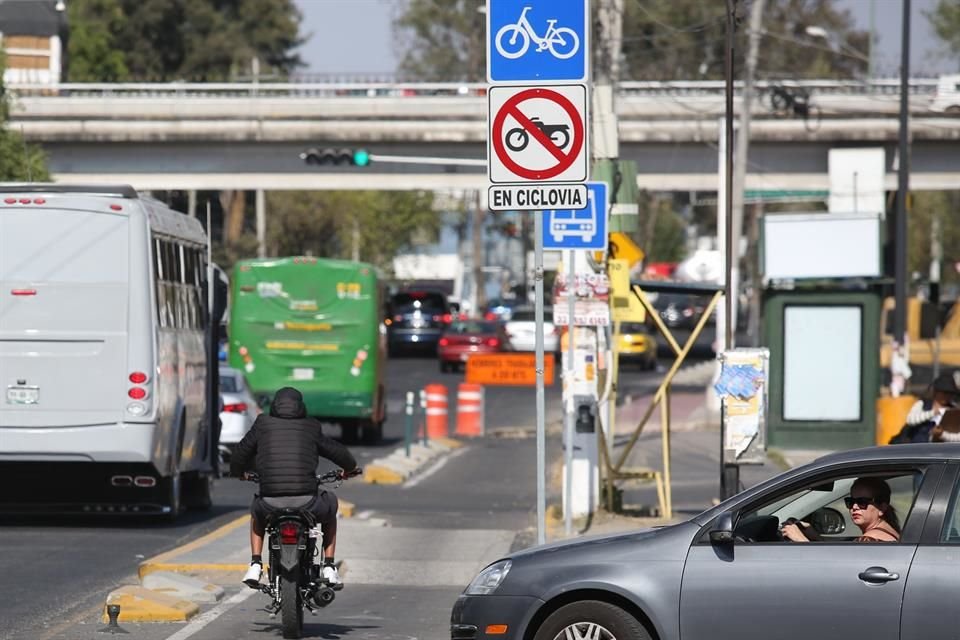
(822, 310)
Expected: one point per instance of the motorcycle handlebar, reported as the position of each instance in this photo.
(338, 475)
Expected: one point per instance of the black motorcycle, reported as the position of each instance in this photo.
(293, 578)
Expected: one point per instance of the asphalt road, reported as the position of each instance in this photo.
(57, 571)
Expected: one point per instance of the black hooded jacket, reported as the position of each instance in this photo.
(285, 447)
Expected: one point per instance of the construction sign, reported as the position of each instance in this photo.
(508, 369)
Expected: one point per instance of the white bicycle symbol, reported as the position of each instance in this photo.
(562, 43)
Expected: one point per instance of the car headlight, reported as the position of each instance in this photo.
(489, 579)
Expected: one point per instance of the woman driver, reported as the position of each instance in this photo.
(870, 509)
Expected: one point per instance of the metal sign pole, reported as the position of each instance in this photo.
(541, 398)
(568, 380)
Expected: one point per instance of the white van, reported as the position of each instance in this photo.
(946, 99)
(103, 366)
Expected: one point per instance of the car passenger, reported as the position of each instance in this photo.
(870, 509)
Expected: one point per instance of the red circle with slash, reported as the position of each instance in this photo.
(511, 108)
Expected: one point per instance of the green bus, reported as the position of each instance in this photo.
(313, 324)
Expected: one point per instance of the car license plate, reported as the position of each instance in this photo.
(23, 395)
(302, 374)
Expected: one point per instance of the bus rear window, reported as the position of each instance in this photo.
(419, 300)
(51, 245)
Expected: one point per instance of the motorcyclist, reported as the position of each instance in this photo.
(284, 447)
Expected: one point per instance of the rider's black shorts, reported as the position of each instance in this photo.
(323, 507)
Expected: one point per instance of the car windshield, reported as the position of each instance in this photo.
(472, 326)
(633, 327)
(524, 315)
(419, 300)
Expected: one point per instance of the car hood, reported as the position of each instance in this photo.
(594, 561)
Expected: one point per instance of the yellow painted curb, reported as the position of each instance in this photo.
(142, 605)
(162, 562)
(449, 442)
(346, 509)
(375, 474)
(194, 567)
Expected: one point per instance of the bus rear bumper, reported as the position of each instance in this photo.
(116, 442)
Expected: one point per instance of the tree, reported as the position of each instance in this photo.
(945, 20)
(685, 39)
(662, 231)
(443, 40)
(180, 39)
(326, 223)
(19, 162)
(925, 206)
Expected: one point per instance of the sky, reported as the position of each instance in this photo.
(355, 37)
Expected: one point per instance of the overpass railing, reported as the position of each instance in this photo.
(293, 90)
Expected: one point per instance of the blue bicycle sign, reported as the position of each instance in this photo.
(513, 40)
(537, 40)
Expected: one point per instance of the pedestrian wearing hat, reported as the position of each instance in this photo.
(924, 417)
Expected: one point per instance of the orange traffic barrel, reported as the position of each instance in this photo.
(436, 411)
(470, 409)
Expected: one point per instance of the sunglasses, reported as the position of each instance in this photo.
(863, 502)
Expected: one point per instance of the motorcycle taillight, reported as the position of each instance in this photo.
(289, 533)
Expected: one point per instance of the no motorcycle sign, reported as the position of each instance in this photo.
(538, 134)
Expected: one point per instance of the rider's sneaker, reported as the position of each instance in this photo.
(252, 577)
(332, 577)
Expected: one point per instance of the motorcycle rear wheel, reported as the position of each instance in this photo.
(291, 605)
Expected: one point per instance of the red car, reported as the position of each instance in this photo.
(464, 337)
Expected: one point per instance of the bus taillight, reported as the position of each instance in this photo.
(138, 377)
(137, 393)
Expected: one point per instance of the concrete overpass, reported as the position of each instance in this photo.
(249, 135)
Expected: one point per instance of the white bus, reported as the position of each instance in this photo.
(103, 364)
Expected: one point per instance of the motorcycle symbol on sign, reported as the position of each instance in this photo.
(562, 43)
(518, 138)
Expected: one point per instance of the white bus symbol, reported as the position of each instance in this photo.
(575, 223)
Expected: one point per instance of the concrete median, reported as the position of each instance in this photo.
(398, 467)
(174, 584)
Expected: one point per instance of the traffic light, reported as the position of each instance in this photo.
(334, 156)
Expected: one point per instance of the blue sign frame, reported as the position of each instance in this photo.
(541, 41)
(579, 228)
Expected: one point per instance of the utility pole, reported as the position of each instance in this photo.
(742, 142)
(899, 360)
(479, 296)
(728, 485)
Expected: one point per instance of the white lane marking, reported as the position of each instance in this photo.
(414, 481)
(204, 619)
(363, 515)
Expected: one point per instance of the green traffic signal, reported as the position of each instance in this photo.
(361, 157)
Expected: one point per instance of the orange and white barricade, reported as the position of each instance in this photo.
(436, 411)
(470, 410)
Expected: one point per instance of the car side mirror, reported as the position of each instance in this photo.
(722, 531)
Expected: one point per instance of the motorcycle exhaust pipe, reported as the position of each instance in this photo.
(324, 596)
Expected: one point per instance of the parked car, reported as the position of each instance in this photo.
(522, 326)
(238, 412)
(499, 310)
(464, 338)
(637, 344)
(729, 573)
(416, 319)
(681, 310)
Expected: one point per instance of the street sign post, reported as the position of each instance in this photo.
(537, 147)
(544, 41)
(579, 229)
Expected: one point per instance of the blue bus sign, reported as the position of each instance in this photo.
(540, 41)
(579, 228)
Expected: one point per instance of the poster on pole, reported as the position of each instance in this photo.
(743, 387)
